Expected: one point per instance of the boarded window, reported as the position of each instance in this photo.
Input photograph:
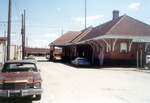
(123, 47)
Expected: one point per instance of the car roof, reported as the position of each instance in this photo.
(29, 58)
(80, 58)
(20, 61)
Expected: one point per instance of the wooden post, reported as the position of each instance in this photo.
(137, 59)
(9, 31)
(141, 62)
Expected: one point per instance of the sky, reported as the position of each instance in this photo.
(46, 20)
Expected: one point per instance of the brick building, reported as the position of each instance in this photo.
(37, 51)
(120, 41)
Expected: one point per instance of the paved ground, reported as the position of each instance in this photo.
(67, 84)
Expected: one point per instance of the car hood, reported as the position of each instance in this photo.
(19, 77)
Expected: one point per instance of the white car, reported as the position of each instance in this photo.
(48, 57)
(148, 61)
(31, 58)
(79, 61)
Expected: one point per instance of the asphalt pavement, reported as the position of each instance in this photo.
(63, 83)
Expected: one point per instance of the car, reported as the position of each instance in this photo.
(148, 61)
(31, 58)
(20, 79)
(48, 57)
(80, 61)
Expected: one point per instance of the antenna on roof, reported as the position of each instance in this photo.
(62, 32)
(85, 14)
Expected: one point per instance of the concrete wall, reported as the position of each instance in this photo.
(1, 54)
(13, 52)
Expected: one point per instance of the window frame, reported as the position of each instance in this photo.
(123, 47)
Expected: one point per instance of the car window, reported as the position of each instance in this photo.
(29, 58)
(82, 59)
(17, 67)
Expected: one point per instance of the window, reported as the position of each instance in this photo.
(123, 47)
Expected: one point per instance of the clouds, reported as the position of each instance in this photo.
(135, 5)
(58, 9)
(90, 19)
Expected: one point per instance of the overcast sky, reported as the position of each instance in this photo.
(45, 19)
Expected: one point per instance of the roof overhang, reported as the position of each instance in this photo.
(57, 44)
(109, 36)
(134, 38)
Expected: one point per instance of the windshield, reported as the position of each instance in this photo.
(19, 67)
(29, 58)
(82, 59)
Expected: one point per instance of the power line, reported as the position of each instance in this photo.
(16, 8)
(51, 27)
(85, 13)
(11, 21)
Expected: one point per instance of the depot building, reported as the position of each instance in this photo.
(122, 41)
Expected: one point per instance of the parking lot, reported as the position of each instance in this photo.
(63, 83)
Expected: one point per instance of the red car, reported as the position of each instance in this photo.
(20, 79)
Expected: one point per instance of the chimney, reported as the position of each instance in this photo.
(115, 14)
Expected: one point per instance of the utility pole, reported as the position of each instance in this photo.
(85, 14)
(9, 31)
(22, 32)
(23, 35)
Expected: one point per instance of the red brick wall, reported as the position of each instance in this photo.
(129, 55)
(122, 58)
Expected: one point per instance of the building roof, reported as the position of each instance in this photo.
(82, 34)
(129, 26)
(66, 38)
(123, 26)
(101, 30)
(3, 38)
(38, 50)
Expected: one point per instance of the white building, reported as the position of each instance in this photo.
(2, 49)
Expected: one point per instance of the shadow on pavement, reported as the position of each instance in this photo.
(43, 61)
(16, 100)
(113, 68)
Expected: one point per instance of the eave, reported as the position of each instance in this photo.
(134, 38)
